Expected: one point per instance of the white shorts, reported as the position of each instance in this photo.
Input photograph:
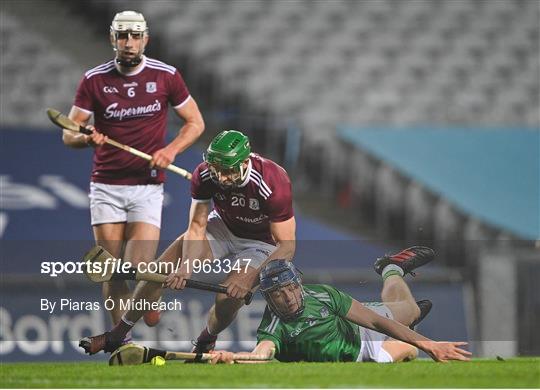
(226, 245)
(371, 349)
(111, 203)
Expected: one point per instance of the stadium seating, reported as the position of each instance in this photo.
(435, 50)
(35, 75)
(320, 64)
(396, 62)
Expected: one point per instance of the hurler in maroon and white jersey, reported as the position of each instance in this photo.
(252, 220)
(129, 97)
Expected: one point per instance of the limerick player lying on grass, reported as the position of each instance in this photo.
(319, 323)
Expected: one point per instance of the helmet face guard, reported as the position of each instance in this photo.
(228, 178)
(125, 25)
(226, 157)
(276, 277)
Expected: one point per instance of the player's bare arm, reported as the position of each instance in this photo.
(284, 234)
(194, 245)
(265, 348)
(191, 130)
(78, 140)
(439, 351)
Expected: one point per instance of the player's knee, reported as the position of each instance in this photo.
(408, 353)
(412, 354)
(415, 312)
(397, 351)
(409, 313)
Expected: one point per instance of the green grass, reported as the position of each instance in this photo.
(524, 372)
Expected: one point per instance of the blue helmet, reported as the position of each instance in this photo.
(275, 275)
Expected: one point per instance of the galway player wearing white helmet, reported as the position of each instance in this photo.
(318, 323)
(128, 98)
(251, 221)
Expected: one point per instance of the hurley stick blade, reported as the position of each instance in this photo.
(64, 122)
(133, 354)
(128, 355)
(101, 272)
(53, 115)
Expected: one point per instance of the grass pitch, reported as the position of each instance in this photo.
(524, 372)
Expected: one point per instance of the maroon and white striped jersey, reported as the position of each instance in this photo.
(265, 196)
(131, 109)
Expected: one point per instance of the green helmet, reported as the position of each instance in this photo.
(227, 152)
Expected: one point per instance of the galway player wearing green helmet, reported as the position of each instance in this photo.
(252, 220)
(318, 323)
(228, 158)
(241, 218)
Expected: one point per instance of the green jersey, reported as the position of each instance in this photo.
(320, 334)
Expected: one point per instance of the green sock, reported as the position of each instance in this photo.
(390, 273)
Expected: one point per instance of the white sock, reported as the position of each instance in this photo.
(392, 267)
(127, 338)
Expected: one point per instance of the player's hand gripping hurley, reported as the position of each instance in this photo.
(64, 122)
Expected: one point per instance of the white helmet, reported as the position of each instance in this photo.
(128, 22)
